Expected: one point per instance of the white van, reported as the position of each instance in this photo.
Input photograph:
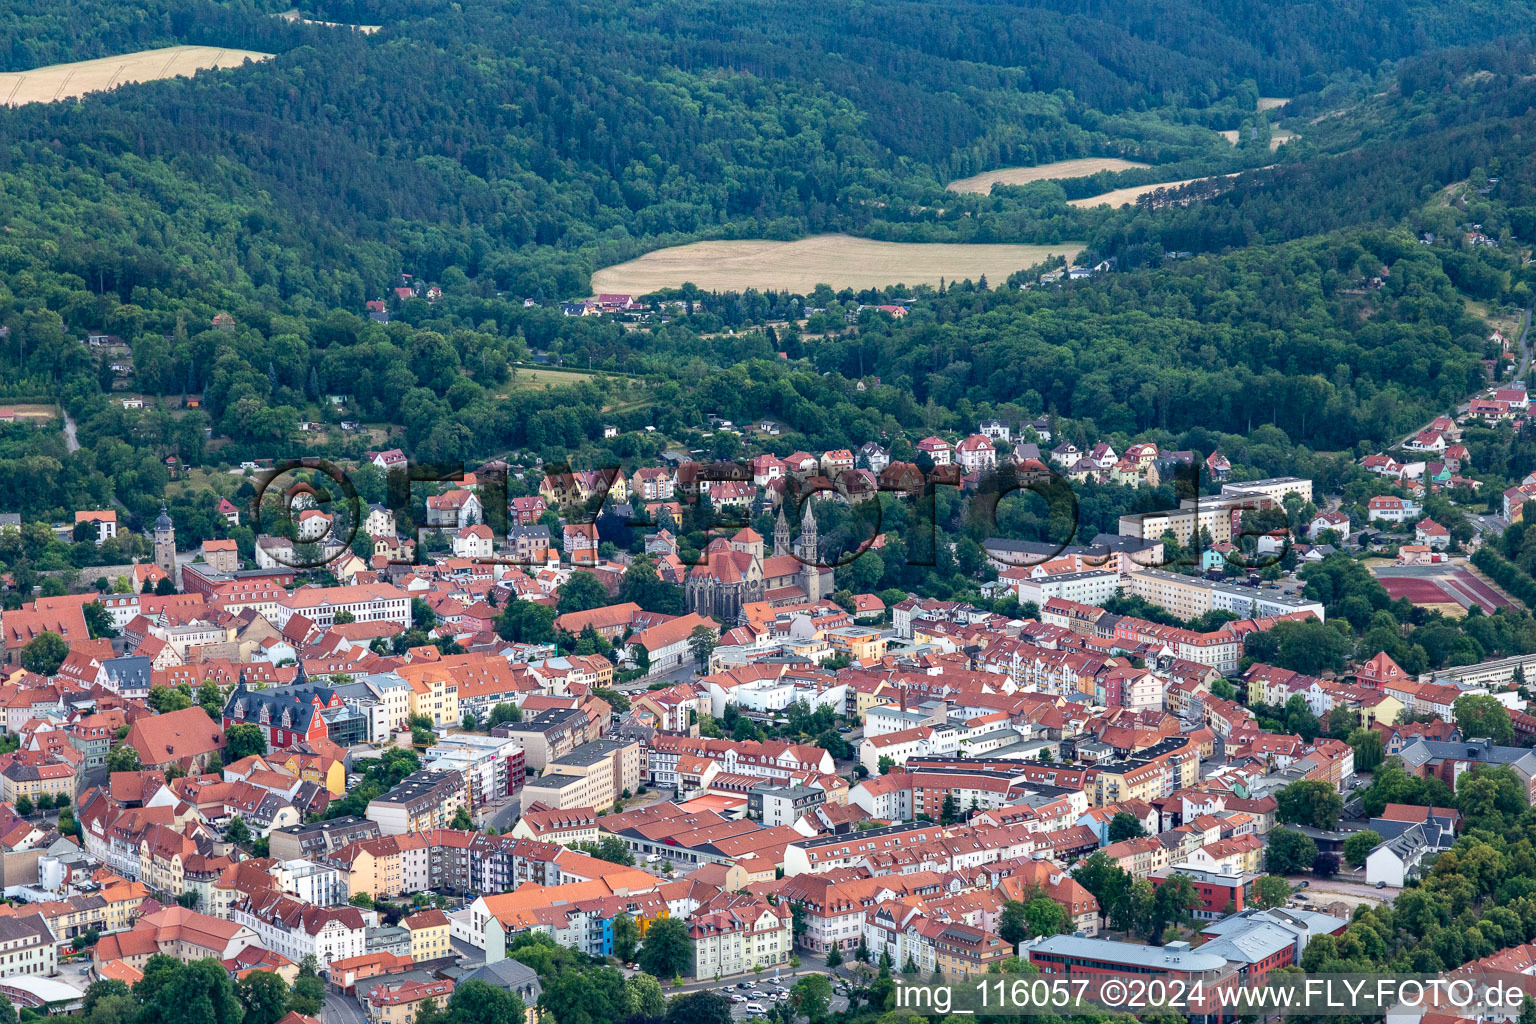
(755, 1008)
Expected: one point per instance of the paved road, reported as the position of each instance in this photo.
(505, 816)
(1525, 345)
(340, 1009)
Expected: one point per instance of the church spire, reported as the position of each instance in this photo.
(781, 535)
(810, 550)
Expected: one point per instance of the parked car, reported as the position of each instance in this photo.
(756, 1008)
(1381, 885)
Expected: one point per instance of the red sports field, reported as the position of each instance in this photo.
(1449, 586)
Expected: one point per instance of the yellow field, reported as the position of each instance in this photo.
(1024, 175)
(840, 261)
(1231, 135)
(28, 411)
(69, 81)
(1271, 102)
(1122, 196)
(529, 377)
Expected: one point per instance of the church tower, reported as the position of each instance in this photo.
(781, 535)
(810, 549)
(165, 543)
(813, 580)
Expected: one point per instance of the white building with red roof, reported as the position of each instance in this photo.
(1431, 533)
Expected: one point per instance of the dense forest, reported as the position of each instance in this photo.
(502, 154)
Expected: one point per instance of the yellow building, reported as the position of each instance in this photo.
(429, 935)
(323, 771)
(35, 780)
(858, 643)
(434, 692)
(868, 695)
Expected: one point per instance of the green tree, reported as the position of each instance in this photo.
(308, 994)
(667, 950)
(244, 739)
(1107, 881)
(1368, 747)
(592, 996)
(582, 592)
(1125, 825)
(476, 1002)
(812, 997)
(198, 991)
(237, 831)
(643, 995)
(1270, 891)
(98, 621)
(611, 849)
(461, 820)
(526, 622)
(699, 1008)
(701, 643)
(1046, 917)
(1012, 925)
(1359, 845)
(1289, 852)
(44, 653)
(1482, 717)
(626, 938)
(211, 699)
(264, 997)
(1310, 802)
(23, 805)
(1173, 905)
(123, 758)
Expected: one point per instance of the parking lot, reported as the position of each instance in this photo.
(752, 998)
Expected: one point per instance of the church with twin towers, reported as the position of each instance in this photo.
(736, 572)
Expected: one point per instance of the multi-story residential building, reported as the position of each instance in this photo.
(965, 952)
(550, 735)
(1192, 596)
(429, 936)
(28, 946)
(315, 840)
(423, 800)
(297, 929)
(735, 933)
(595, 774)
(36, 776)
(782, 805)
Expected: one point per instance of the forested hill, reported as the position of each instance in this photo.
(532, 142)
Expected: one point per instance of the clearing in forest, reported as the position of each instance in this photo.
(1041, 172)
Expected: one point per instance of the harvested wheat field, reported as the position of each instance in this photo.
(1042, 172)
(70, 81)
(1122, 196)
(841, 261)
(1271, 102)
